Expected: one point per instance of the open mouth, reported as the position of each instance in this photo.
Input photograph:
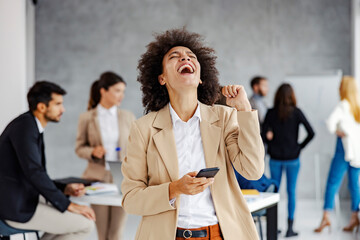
(186, 68)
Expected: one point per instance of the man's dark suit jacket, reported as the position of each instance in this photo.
(23, 173)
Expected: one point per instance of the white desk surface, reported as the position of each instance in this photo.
(255, 202)
(100, 199)
(263, 200)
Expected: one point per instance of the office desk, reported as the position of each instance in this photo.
(268, 201)
(101, 199)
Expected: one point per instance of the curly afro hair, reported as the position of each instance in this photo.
(155, 96)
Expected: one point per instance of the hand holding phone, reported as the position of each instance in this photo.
(189, 185)
(208, 172)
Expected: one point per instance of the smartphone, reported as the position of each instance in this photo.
(208, 172)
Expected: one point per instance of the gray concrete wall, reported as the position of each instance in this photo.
(76, 40)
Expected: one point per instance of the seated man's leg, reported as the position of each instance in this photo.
(57, 225)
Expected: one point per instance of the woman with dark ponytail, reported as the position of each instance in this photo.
(280, 131)
(102, 131)
(95, 95)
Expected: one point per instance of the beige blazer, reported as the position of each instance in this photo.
(230, 138)
(89, 136)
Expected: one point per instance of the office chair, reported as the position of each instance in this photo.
(6, 231)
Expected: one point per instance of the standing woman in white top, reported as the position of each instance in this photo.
(344, 121)
(102, 135)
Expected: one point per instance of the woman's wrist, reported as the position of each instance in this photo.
(243, 108)
(173, 190)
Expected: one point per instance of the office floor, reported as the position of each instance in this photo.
(308, 215)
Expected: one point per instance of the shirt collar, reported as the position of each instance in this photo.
(38, 123)
(102, 111)
(175, 118)
(257, 96)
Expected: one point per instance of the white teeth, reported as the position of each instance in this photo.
(186, 66)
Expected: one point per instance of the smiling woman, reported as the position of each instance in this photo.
(184, 133)
(150, 66)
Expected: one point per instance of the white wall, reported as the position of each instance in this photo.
(355, 19)
(30, 43)
(16, 57)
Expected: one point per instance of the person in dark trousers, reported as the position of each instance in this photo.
(280, 131)
(23, 176)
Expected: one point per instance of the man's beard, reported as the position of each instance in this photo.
(50, 118)
(261, 93)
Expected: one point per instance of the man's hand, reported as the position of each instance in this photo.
(189, 185)
(83, 210)
(236, 97)
(74, 189)
(98, 152)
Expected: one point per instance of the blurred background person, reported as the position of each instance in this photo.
(29, 198)
(102, 135)
(260, 88)
(280, 131)
(344, 121)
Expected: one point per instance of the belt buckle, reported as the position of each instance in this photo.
(189, 232)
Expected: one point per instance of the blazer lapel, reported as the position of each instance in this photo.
(42, 148)
(210, 134)
(122, 141)
(95, 118)
(165, 142)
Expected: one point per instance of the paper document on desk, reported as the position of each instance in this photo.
(250, 192)
(101, 188)
(250, 195)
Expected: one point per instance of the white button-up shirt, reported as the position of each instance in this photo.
(342, 119)
(38, 123)
(109, 130)
(195, 210)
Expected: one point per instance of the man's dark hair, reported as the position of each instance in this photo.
(41, 92)
(155, 96)
(256, 80)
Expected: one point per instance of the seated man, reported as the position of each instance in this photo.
(264, 184)
(23, 176)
